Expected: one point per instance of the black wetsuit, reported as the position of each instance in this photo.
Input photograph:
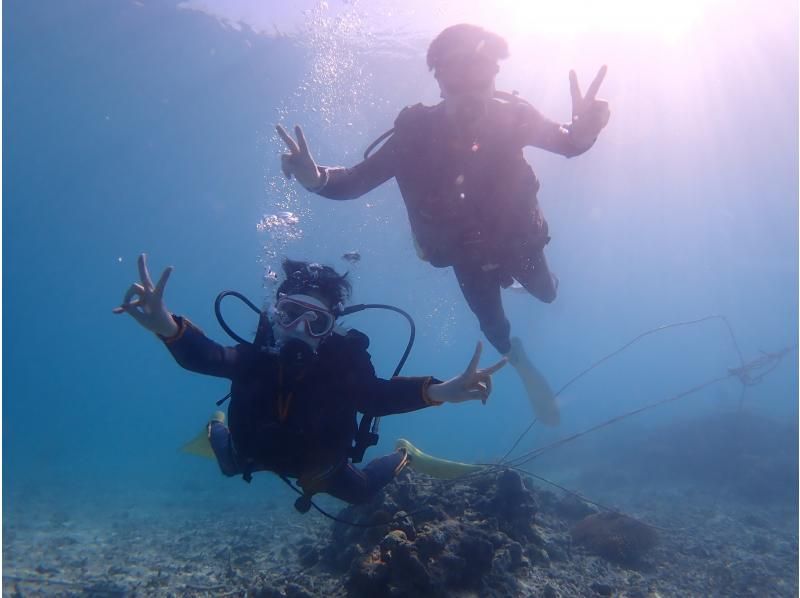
(294, 412)
(471, 199)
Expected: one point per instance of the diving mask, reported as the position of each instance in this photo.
(318, 320)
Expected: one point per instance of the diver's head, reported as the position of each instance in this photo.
(308, 302)
(464, 59)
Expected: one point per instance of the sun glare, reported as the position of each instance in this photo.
(669, 20)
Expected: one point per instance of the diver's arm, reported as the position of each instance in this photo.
(196, 352)
(350, 183)
(589, 117)
(400, 395)
(379, 397)
(144, 301)
(541, 132)
(335, 182)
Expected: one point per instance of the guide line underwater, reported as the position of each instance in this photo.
(621, 349)
(748, 373)
(768, 360)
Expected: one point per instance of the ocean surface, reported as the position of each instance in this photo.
(133, 127)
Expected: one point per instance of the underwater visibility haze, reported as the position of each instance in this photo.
(149, 127)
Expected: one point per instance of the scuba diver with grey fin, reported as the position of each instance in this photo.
(297, 389)
(470, 195)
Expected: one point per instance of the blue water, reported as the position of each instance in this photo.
(144, 127)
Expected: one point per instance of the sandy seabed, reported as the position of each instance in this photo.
(501, 534)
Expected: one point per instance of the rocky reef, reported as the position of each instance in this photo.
(493, 535)
(484, 536)
(615, 537)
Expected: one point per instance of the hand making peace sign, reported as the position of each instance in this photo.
(298, 162)
(589, 115)
(473, 384)
(149, 309)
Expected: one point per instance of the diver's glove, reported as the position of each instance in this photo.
(589, 115)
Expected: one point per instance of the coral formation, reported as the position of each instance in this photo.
(615, 537)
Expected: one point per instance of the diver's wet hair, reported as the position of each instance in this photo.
(323, 281)
(483, 43)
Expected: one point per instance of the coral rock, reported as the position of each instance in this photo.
(615, 537)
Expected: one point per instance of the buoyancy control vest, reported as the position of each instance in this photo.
(469, 195)
(285, 446)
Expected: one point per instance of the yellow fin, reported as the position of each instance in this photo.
(433, 466)
(200, 445)
(542, 398)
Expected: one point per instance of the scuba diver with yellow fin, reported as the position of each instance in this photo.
(297, 388)
(470, 195)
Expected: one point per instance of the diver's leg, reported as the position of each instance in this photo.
(220, 439)
(530, 269)
(356, 486)
(481, 288)
(533, 273)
